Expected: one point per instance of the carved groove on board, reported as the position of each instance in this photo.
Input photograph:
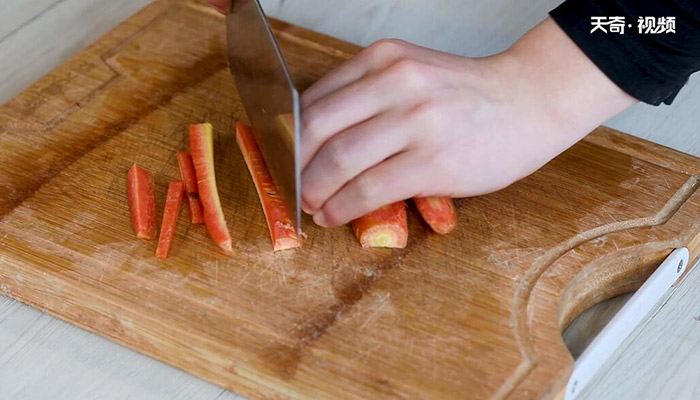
(625, 271)
(112, 128)
(114, 50)
(519, 317)
(118, 76)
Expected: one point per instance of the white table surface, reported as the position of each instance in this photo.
(44, 358)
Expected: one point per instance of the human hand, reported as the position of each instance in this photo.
(400, 121)
(223, 6)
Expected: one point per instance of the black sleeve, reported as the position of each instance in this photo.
(650, 67)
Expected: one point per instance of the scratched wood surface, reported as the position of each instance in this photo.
(475, 314)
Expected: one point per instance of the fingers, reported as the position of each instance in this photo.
(341, 110)
(399, 87)
(377, 56)
(223, 6)
(350, 153)
(393, 180)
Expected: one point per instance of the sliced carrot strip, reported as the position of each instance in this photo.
(189, 178)
(438, 212)
(142, 202)
(202, 150)
(279, 219)
(384, 227)
(170, 213)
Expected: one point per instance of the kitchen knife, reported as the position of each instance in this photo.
(268, 95)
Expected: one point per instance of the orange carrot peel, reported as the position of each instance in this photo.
(189, 179)
(279, 219)
(202, 150)
(171, 211)
(384, 227)
(438, 212)
(142, 202)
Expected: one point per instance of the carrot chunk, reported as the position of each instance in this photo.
(279, 219)
(170, 213)
(202, 150)
(438, 212)
(189, 179)
(384, 227)
(142, 202)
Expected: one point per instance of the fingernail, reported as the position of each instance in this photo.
(306, 208)
(320, 219)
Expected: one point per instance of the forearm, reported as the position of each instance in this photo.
(577, 94)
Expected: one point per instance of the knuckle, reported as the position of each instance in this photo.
(367, 189)
(428, 114)
(410, 73)
(311, 121)
(387, 48)
(338, 157)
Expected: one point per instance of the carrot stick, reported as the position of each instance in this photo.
(384, 227)
(142, 202)
(189, 178)
(170, 214)
(438, 212)
(202, 150)
(279, 220)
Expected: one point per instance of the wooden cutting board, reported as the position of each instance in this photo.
(476, 314)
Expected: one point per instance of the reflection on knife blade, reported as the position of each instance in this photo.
(268, 95)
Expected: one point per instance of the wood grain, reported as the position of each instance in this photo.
(478, 313)
(37, 36)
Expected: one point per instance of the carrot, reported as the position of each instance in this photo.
(279, 220)
(170, 214)
(202, 150)
(189, 178)
(384, 227)
(438, 212)
(142, 202)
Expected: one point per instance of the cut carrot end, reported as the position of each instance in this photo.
(202, 150)
(171, 211)
(142, 203)
(189, 179)
(438, 212)
(384, 227)
(279, 220)
(226, 246)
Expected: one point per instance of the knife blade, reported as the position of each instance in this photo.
(269, 97)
